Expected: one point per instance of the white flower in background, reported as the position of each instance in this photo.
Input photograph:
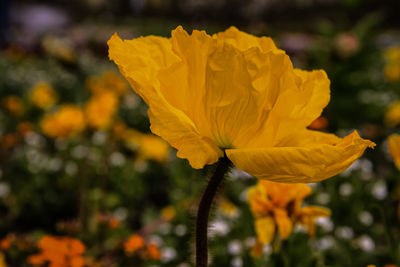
(99, 138)
(168, 254)
(325, 223)
(120, 214)
(324, 243)
(219, 228)
(365, 243)
(4, 190)
(117, 159)
(180, 230)
(323, 198)
(155, 239)
(54, 164)
(237, 262)
(344, 232)
(366, 218)
(379, 190)
(345, 189)
(71, 168)
(165, 229)
(35, 140)
(235, 247)
(79, 152)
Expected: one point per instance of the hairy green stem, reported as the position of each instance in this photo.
(203, 212)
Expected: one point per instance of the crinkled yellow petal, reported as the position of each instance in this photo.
(244, 41)
(394, 148)
(307, 156)
(285, 225)
(140, 61)
(265, 229)
(230, 101)
(221, 100)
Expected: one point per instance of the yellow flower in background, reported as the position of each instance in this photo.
(14, 105)
(66, 122)
(108, 81)
(235, 93)
(43, 96)
(392, 68)
(148, 146)
(168, 213)
(277, 209)
(392, 115)
(394, 148)
(100, 109)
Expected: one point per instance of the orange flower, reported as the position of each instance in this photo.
(153, 252)
(14, 105)
(59, 252)
(6, 242)
(25, 127)
(134, 243)
(113, 223)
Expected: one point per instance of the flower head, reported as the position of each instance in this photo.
(14, 105)
(278, 206)
(43, 96)
(100, 109)
(66, 122)
(108, 81)
(392, 115)
(148, 146)
(59, 251)
(392, 68)
(237, 94)
(134, 243)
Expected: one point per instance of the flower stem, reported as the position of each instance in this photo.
(203, 212)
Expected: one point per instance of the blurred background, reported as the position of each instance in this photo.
(80, 171)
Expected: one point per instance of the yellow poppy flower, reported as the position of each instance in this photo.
(394, 148)
(278, 206)
(235, 93)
